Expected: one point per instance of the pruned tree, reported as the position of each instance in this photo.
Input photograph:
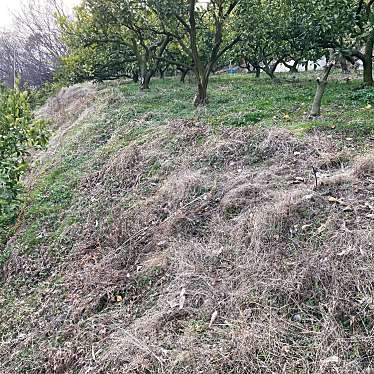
(262, 25)
(202, 32)
(362, 35)
(292, 32)
(118, 34)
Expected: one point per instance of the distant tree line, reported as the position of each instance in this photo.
(32, 50)
(141, 38)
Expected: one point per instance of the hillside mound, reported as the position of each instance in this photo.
(179, 247)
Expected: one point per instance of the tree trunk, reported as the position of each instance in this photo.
(368, 61)
(135, 77)
(256, 68)
(145, 80)
(183, 75)
(202, 94)
(306, 65)
(292, 68)
(344, 65)
(269, 72)
(321, 86)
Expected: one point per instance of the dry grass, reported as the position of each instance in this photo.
(334, 160)
(195, 252)
(340, 178)
(68, 104)
(364, 165)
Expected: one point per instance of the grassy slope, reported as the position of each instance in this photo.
(146, 197)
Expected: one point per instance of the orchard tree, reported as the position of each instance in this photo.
(98, 63)
(175, 56)
(202, 32)
(284, 30)
(344, 25)
(363, 36)
(262, 25)
(115, 34)
(93, 61)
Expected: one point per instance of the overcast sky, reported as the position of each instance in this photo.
(7, 6)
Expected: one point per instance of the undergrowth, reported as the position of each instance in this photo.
(156, 238)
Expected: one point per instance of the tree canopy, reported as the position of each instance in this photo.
(137, 39)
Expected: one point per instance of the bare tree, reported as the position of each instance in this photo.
(34, 46)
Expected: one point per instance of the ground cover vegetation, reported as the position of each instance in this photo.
(157, 238)
(184, 219)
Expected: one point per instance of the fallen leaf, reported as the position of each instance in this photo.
(213, 318)
(345, 252)
(308, 197)
(298, 180)
(333, 199)
(331, 360)
(321, 229)
(182, 298)
(348, 209)
(286, 348)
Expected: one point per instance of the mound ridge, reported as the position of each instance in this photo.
(187, 248)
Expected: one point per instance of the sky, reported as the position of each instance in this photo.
(8, 6)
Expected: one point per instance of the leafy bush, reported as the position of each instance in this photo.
(19, 132)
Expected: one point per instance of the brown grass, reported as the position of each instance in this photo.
(211, 262)
(364, 165)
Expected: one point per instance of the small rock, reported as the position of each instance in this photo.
(296, 317)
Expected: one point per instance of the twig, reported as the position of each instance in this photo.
(315, 171)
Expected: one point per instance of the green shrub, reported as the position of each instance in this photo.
(19, 132)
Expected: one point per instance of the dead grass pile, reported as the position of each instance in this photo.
(68, 104)
(280, 143)
(194, 252)
(230, 149)
(334, 160)
(364, 165)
